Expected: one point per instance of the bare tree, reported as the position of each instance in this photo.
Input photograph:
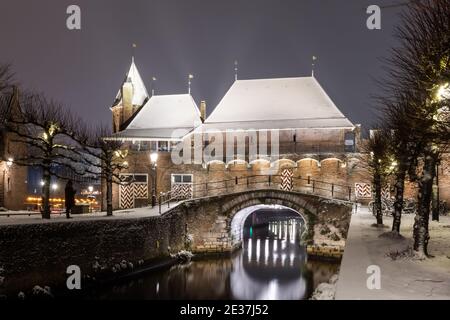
(105, 158)
(404, 159)
(377, 148)
(47, 130)
(420, 69)
(6, 78)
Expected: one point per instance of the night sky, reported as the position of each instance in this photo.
(270, 38)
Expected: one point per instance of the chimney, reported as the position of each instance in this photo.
(203, 110)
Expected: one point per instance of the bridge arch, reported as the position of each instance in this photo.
(238, 220)
(214, 223)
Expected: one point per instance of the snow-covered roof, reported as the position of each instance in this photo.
(139, 91)
(164, 116)
(276, 104)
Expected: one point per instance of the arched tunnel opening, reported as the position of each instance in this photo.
(267, 222)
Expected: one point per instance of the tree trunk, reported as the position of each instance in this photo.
(377, 204)
(46, 195)
(421, 235)
(109, 186)
(398, 204)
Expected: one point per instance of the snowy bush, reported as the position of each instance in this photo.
(183, 255)
(45, 292)
(188, 240)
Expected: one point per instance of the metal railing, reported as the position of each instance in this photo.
(257, 182)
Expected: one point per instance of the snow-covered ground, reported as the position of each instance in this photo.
(402, 278)
(21, 217)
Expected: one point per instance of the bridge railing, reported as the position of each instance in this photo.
(299, 184)
(254, 182)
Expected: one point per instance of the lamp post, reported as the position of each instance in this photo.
(153, 160)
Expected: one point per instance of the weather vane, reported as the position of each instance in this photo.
(133, 46)
(314, 58)
(190, 77)
(153, 85)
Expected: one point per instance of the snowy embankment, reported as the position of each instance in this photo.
(29, 217)
(401, 277)
(326, 290)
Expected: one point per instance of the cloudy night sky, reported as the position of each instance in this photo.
(270, 38)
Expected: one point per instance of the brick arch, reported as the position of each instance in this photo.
(291, 200)
(208, 220)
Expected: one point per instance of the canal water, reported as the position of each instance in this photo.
(271, 265)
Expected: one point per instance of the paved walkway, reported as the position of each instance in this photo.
(400, 279)
(21, 217)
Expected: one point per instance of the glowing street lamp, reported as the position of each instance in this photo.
(91, 189)
(9, 163)
(54, 186)
(153, 160)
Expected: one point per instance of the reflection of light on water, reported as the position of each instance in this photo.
(266, 252)
(245, 287)
(293, 232)
(271, 291)
(277, 274)
(285, 230)
(258, 249)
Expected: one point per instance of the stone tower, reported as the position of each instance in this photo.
(131, 96)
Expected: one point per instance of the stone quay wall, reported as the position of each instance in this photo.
(39, 254)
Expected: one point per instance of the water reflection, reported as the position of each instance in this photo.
(270, 265)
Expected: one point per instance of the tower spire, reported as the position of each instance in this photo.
(314, 58)
(235, 70)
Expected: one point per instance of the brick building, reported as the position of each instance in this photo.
(13, 181)
(286, 127)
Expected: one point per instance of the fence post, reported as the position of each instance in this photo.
(248, 183)
(159, 203)
(332, 190)
(236, 180)
(314, 185)
(270, 178)
(349, 194)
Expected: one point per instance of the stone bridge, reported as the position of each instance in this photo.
(215, 223)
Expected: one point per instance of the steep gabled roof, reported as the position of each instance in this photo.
(276, 104)
(139, 91)
(161, 116)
